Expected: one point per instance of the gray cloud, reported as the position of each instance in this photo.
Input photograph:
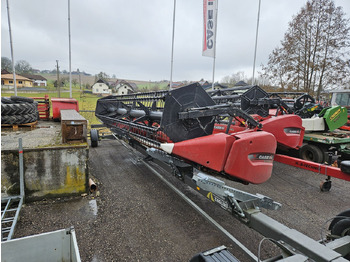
(132, 39)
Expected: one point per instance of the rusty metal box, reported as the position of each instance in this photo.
(74, 126)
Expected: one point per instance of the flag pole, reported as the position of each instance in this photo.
(214, 58)
(256, 42)
(70, 53)
(172, 49)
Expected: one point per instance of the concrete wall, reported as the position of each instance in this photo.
(48, 172)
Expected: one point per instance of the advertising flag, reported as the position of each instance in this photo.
(209, 21)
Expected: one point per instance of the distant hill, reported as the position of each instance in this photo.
(90, 80)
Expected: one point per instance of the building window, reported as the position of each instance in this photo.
(11, 81)
(20, 82)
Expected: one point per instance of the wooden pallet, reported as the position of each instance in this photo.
(15, 127)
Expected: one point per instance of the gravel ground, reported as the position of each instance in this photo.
(136, 217)
(45, 134)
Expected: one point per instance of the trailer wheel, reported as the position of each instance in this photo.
(342, 215)
(311, 153)
(341, 228)
(326, 185)
(345, 166)
(94, 137)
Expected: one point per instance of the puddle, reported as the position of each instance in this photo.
(93, 206)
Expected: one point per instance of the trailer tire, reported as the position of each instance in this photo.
(94, 137)
(345, 166)
(340, 216)
(311, 153)
(341, 228)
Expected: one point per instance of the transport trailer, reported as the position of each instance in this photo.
(175, 129)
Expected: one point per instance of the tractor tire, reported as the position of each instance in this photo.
(6, 100)
(345, 166)
(94, 137)
(18, 109)
(19, 119)
(22, 99)
(311, 153)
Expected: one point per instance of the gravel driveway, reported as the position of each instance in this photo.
(136, 217)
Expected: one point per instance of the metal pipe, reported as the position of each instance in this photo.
(21, 173)
(153, 115)
(92, 185)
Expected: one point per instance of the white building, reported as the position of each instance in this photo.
(123, 87)
(38, 80)
(101, 88)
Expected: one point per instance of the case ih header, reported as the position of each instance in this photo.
(187, 124)
(196, 135)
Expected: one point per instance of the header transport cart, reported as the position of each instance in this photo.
(176, 129)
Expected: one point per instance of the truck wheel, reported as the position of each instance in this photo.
(311, 153)
(94, 137)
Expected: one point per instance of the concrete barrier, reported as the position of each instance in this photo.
(48, 172)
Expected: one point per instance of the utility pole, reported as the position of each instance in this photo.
(58, 79)
(79, 78)
(11, 45)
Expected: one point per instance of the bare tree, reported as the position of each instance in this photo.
(23, 67)
(101, 75)
(234, 78)
(6, 63)
(315, 50)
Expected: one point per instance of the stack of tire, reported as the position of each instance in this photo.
(18, 110)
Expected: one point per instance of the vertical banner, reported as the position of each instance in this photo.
(209, 22)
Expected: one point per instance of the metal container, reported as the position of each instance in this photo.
(62, 103)
(74, 127)
(59, 245)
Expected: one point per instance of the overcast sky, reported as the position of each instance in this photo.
(132, 38)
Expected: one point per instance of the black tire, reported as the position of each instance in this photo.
(339, 217)
(6, 100)
(311, 153)
(326, 185)
(94, 137)
(345, 166)
(19, 119)
(18, 109)
(22, 99)
(341, 228)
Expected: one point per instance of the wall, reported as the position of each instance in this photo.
(48, 172)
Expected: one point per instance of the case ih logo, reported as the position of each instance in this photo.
(261, 156)
(210, 25)
(292, 130)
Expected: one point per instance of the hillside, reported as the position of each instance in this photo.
(90, 80)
